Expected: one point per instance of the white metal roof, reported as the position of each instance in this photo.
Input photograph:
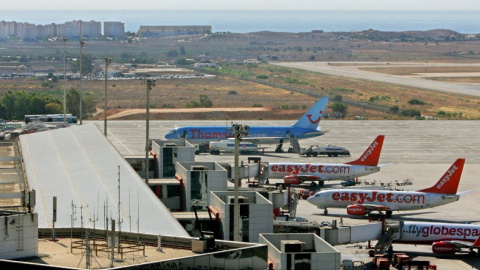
(81, 168)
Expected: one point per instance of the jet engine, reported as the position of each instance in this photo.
(356, 210)
(291, 179)
(444, 248)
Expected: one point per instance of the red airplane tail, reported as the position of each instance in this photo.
(371, 156)
(476, 243)
(448, 183)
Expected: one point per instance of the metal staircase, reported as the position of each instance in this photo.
(294, 143)
(385, 242)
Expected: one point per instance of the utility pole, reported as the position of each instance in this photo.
(150, 83)
(81, 79)
(64, 83)
(239, 132)
(105, 108)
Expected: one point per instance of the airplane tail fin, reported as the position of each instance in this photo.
(371, 156)
(477, 242)
(448, 183)
(312, 117)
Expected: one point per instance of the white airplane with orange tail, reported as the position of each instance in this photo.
(297, 173)
(364, 201)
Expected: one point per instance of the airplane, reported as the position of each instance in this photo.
(445, 238)
(363, 201)
(306, 127)
(297, 173)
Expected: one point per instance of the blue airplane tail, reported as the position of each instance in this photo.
(312, 117)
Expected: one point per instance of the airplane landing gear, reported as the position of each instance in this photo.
(388, 213)
(321, 182)
(325, 211)
(279, 148)
(472, 253)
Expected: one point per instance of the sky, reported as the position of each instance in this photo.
(242, 4)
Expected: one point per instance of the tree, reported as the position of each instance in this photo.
(205, 101)
(89, 105)
(87, 61)
(339, 107)
(9, 102)
(182, 50)
(73, 101)
(53, 108)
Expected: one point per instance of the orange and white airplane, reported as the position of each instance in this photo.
(297, 173)
(445, 238)
(364, 201)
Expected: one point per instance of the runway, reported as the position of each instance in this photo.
(351, 70)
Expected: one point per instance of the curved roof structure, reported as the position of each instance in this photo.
(92, 182)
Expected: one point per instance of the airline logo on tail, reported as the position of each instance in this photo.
(448, 183)
(312, 117)
(371, 156)
(318, 119)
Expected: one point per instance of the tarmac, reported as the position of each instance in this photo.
(418, 150)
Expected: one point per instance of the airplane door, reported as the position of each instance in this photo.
(427, 201)
(327, 197)
(184, 135)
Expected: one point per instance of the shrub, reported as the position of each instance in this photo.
(416, 101)
(232, 92)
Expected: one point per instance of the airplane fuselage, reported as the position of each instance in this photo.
(393, 200)
(265, 134)
(321, 171)
(429, 232)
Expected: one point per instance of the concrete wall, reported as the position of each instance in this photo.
(215, 175)
(18, 236)
(185, 152)
(260, 216)
(322, 255)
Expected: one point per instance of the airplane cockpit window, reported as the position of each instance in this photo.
(172, 132)
(317, 195)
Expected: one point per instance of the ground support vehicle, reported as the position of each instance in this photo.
(331, 151)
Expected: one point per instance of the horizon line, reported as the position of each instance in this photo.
(223, 9)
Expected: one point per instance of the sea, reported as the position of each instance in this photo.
(245, 21)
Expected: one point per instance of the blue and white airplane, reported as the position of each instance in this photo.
(305, 127)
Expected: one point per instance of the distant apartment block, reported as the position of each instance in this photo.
(113, 29)
(162, 31)
(76, 29)
(28, 31)
(91, 29)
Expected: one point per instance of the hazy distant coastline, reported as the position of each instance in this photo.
(465, 22)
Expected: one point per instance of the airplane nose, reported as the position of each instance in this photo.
(313, 199)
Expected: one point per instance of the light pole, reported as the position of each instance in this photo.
(105, 108)
(81, 80)
(239, 132)
(64, 83)
(150, 83)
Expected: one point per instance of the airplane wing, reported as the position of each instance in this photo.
(464, 244)
(374, 207)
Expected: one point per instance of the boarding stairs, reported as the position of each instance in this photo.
(385, 241)
(294, 143)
